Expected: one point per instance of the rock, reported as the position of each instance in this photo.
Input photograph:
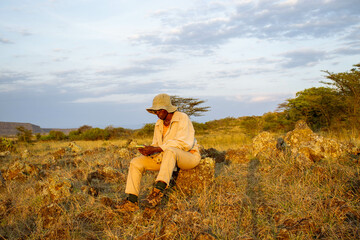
(57, 188)
(125, 153)
(59, 154)
(21, 170)
(240, 155)
(74, 148)
(219, 156)
(196, 179)
(26, 154)
(107, 174)
(4, 154)
(308, 145)
(264, 146)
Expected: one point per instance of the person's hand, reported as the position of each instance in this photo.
(149, 150)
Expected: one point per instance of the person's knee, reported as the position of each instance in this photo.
(137, 163)
(171, 150)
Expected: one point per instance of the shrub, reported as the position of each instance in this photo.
(200, 127)
(7, 145)
(24, 135)
(54, 135)
(95, 134)
(146, 131)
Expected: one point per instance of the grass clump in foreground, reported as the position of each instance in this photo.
(279, 198)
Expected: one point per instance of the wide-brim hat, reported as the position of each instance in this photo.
(162, 101)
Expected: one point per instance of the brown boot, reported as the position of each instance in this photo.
(153, 199)
(126, 206)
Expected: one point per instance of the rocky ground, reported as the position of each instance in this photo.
(298, 186)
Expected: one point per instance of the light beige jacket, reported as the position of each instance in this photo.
(181, 134)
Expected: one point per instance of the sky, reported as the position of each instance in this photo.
(67, 63)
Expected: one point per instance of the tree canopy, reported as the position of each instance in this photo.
(190, 106)
(337, 105)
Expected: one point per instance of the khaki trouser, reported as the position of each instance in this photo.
(164, 162)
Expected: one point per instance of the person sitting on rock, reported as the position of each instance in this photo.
(174, 144)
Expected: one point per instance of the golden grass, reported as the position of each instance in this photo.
(277, 199)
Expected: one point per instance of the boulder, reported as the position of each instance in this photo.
(196, 179)
(219, 156)
(59, 154)
(305, 143)
(74, 147)
(21, 170)
(264, 146)
(57, 188)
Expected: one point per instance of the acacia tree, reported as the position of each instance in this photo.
(24, 134)
(347, 84)
(319, 107)
(190, 106)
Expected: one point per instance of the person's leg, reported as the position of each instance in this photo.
(136, 168)
(173, 156)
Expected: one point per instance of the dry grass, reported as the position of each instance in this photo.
(277, 199)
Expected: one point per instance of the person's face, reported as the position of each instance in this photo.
(162, 114)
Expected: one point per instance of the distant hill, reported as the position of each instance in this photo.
(9, 128)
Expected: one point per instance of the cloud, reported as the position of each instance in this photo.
(302, 57)
(5, 41)
(117, 98)
(254, 19)
(348, 51)
(10, 80)
(140, 67)
(261, 97)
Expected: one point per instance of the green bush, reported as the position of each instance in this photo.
(119, 132)
(54, 135)
(95, 134)
(24, 135)
(200, 127)
(146, 131)
(7, 145)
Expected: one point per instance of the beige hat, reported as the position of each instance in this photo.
(162, 101)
